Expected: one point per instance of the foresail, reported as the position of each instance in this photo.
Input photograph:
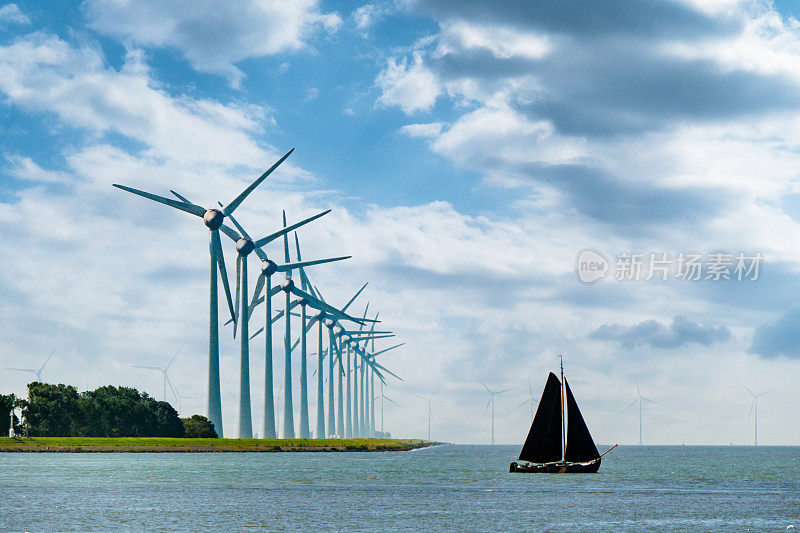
(580, 446)
(543, 444)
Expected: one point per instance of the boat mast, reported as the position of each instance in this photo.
(563, 415)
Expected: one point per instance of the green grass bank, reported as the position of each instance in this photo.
(155, 444)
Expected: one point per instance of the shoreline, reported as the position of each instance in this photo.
(176, 445)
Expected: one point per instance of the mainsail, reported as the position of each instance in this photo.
(580, 446)
(543, 444)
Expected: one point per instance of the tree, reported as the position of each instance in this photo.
(198, 427)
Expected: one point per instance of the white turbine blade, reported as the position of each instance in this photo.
(236, 309)
(173, 358)
(22, 369)
(637, 386)
(520, 405)
(762, 394)
(231, 207)
(502, 391)
(392, 373)
(257, 291)
(147, 367)
(748, 388)
(322, 306)
(752, 404)
(629, 405)
(355, 296)
(171, 386)
(376, 354)
(223, 272)
(181, 198)
(54, 351)
(530, 387)
(254, 335)
(487, 406)
(195, 210)
(292, 266)
(283, 231)
(484, 385)
(649, 400)
(434, 392)
(390, 400)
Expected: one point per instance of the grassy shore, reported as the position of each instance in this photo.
(154, 444)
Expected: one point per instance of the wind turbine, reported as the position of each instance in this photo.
(639, 399)
(244, 246)
(492, 394)
(35, 371)
(531, 401)
(754, 412)
(384, 397)
(428, 399)
(213, 219)
(163, 371)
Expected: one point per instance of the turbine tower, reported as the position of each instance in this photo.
(163, 371)
(213, 219)
(754, 412)
(492, 394)
(641, 399)
(384, 397)
(244, 246)
(36, 371)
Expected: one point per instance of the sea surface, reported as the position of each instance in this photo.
(449, 487)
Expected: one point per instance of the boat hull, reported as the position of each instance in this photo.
(589, 467)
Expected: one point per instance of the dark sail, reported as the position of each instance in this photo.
(543, 444)
(580, 446)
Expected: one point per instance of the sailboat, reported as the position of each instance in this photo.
(559, 441)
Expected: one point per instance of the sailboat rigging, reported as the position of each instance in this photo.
(553, 449)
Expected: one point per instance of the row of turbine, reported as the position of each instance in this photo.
(344, 345)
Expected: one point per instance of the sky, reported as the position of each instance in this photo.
(470, 152)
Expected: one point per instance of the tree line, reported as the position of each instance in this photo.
(108, 411)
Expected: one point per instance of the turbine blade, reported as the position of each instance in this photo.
(141, 366)
(484, 385)
(231, 207)
(181, 198)
(254, 335)
(434, 392)
(276, 317)
(748, 388)
(54, 351)
(752, 404)
(291, 266)
(173, 357)
(223, 272)
(520, 405)
(637, 386)
(390, 400)
(355, 296)
(629, 405)
(22, 369)
(487, 406)
(282, 232)
(322, 306)
(230, 233)
(236, 309)
(195, 210)
(502, 391)
(172, 387)
(257, 291)
(376, 354)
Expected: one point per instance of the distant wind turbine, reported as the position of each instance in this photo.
(384, 397)
(163, 371)
(492, 394)
(428, 399)
(531, 401)
(639, 399)
(34, 371)
(754, 412)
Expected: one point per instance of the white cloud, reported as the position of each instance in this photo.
(501, 41)
(412, 87)
(24, 168)
(214, 36)
(11, 13)
(43, 73)
(424, 131)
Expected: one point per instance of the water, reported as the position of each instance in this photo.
(669, 488)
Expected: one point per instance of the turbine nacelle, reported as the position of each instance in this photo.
(328, 323)
(213, 218)
(268, 267)
(337, 330)
(346, 339)
(244, 246)
(287, 284)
